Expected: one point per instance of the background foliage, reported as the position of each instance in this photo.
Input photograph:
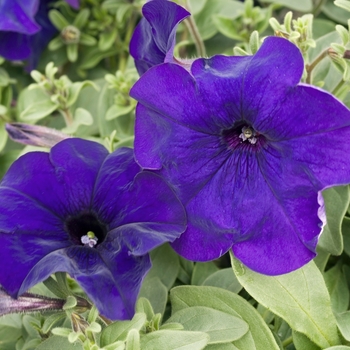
(81, 87)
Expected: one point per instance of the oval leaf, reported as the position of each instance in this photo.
(300, 298)
(220, 326)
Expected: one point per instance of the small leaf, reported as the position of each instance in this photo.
(57, 342)
(174, 340)
(58, 20)
(38, 110)
(87, 40)
(202, 271)
(298, 5)
(81, 117)
(72, 52)
(107, 39)
(74, 90)
(116, 111)
(119, 330)
(302, 342)
(133, 340)
(220, 326)
(81, 18)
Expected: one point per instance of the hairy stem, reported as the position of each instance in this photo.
(191, 25)
(310, 67)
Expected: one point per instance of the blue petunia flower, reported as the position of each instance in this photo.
(25, 29)
(154, 37)
(81, 210)
(248, 149)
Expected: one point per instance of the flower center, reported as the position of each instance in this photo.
(248, 134)
(241, 135)
(85, 229)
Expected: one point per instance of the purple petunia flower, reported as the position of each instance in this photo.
(248, 150)
(83, 211)
(154, 37)
(25, 29)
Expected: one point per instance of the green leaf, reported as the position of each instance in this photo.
(298, 5)
(174, 340)
(87, 40)
(339, 347)
(343, 4)
(38, 110)
(58, 20)
(226, 26)
(94, 56)
(51, 321)
(202, 271)
(156, 292)
(343, 322)
(10, 331)
(335, 13)
(81, 18)
(133, 340)
(224, 278)
(346, 235)
(302, 342)
(337, 202)
(81, 117)
(204, 19)
(119, 330)
(143, 305)
(72, 52)
(116, 111)
(57, 342)
(165, 265)
(220, 326)
(3, 135)
(338, 288)
(222, 347)
(55, 43)
(107, 39)
(258, 337)
(75, 88)
(289, 296)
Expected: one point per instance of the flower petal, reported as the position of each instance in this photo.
(116, 281)
(20, 253)
(61, 181)
(241, 205)
(141, 208)
(159, 141)
(275, 68)
(18, 16)
(153, 40)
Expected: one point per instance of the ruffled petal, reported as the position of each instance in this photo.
(20, 253)
(240, 204)
(276, 67)
(153, 40)
(160, 141)
(141, 209)
(109, 275)
(18, 16)
(63, 180)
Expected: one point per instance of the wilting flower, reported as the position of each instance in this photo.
(154, 37)
(34, 135)
(248, 150)
(25, 29)
(83, 211)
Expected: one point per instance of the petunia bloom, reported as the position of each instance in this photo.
(25, 29)
(81, 210)
(154, 37)
(248, 149)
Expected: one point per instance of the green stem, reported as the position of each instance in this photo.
(191, 25)
(129, 31)
(287, 341)
(310, 67)
(68, 118)
(338, 87)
